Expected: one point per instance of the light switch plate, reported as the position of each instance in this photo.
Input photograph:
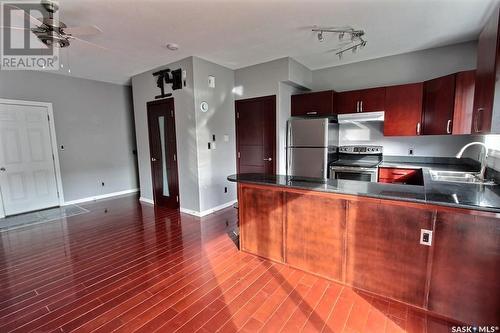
(211, 81)
(426, 237)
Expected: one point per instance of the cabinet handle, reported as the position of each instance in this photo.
(448, 126)
(361, 106)
(418, 128)
(357, 106)
(476, 120)
(312, 113)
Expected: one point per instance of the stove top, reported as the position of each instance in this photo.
(359, 156)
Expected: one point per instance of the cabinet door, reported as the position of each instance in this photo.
(347, 102)
(313, 104)
(464, 102)
(486, 72)
(403, 110)
(439, 102)
(261, 221)
(372, 100)
(384, 254)
(465, 268)
(315, 239)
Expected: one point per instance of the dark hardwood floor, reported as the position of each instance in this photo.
(130, 267)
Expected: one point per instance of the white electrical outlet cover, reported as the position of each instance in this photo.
(422, 233)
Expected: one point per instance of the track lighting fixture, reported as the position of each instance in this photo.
(356, 38)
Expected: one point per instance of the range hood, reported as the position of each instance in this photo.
(361, 116)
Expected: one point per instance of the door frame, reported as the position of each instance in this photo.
(261, 98)
(53, 141)
(155, 102)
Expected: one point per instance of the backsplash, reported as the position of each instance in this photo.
(371, 133)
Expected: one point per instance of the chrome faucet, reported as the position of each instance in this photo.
(483, 159)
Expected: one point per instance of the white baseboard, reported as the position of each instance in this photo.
(208, 211)
(146, 200)
(101, 196)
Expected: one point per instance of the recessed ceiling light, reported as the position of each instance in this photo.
(172, 46)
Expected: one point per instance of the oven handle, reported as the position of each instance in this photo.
(354, 169)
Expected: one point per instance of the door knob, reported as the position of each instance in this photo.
(3, 169)
(268, 159)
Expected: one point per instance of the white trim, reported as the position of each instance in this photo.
(146, 200)
(101, 196)
(53, 140)
(208, 211)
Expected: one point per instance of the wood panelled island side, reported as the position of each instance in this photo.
(367, 236)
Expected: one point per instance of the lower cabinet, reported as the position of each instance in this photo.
(465, 280)
(315, 233)
(261, 221)
(384, 254)
(374, 245)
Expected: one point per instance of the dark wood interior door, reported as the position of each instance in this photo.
(162, 145)
(256, 135)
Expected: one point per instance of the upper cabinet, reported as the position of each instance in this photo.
(403, 110)
(366, 100)
(464, 102)
(439, 103)
(313, 104)
(488, 54)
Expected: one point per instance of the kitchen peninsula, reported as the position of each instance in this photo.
(435, 247)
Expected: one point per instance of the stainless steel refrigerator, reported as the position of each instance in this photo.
(312, 145)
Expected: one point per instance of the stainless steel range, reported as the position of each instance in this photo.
(357, 163)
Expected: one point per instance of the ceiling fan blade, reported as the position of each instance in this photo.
(89, 43)
(83, 31)
(27, 17)
(13, 28)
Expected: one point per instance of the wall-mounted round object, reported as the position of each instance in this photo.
(204, 106)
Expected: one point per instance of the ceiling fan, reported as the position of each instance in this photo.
(53, 32)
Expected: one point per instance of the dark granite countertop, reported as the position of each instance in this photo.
(470, 196)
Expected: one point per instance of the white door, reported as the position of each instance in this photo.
(27, 172)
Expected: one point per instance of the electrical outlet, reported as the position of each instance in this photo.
(102, 184)
(411, 151)
(213, 137)
(426, 237)
(225, 189)
(209, 146)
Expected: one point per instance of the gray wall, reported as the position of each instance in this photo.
(144, 90)
(214, 165)
(94, 122)
(281, 77)
(403, 68)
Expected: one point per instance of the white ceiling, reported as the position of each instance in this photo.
(236, 34)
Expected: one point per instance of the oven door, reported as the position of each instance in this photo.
(354, 173)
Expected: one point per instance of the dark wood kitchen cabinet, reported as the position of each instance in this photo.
(403, 110)
(384, 255)
(313, 104)
(487, 71)
(261, 221)
(465, 269)
(366, 100)
(464, 102)
(438, 105)
(320, 252)
(400, 176)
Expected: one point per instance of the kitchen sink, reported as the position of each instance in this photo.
(458, 177)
